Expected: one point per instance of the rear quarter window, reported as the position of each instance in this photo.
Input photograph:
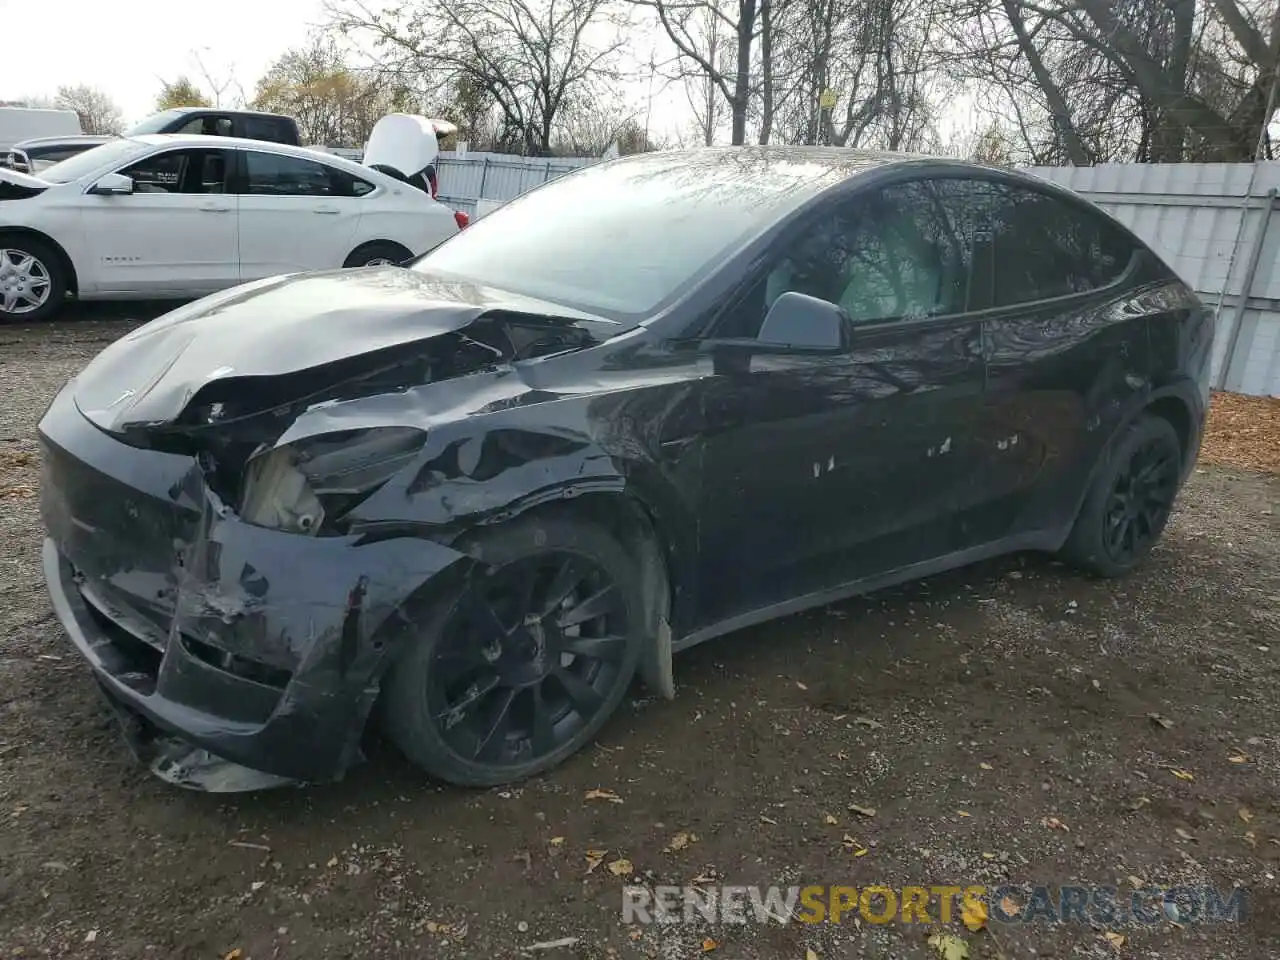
(1044, 246)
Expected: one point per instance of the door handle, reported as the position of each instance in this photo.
(327, 210)
(210, 208)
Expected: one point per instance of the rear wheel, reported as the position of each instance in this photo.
(32, 281)
(377, 254)
(1128, 505)
(522, 667)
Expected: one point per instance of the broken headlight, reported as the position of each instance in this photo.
(296, 487)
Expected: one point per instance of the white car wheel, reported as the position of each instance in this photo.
(26, 283)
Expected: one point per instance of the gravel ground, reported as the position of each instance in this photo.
(992, 725)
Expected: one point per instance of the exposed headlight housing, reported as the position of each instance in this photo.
(296, 487)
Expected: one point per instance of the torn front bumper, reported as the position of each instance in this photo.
(237, 656)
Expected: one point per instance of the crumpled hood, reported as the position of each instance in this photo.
(279, 326)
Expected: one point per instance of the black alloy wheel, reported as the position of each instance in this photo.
(1129, 501)
(524, 665)
(1141, 500)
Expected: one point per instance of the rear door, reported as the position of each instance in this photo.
(296, 214)
(1066, 348)
(175, 234)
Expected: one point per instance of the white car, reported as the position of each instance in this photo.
(178, 216)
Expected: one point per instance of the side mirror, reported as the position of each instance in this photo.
(803, 322)
(113, 184)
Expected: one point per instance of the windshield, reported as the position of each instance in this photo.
(154, 123)
(623, 240)
(109, 154)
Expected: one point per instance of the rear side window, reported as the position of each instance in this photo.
(269, 174)
(265, 128)
(1040, 247)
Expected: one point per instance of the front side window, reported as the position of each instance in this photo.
(180, 171)
(902, 252)
(274, 175)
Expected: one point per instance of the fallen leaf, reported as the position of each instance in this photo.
(988, 856)
(829, 820)
(1115, 939)
(708, 945)
(1182, 774)
(985, 766)
(1251, 838)
(635, 934)
(680, 841)
(867, 722)
(1010, 907)
(621, 868)
(949, 946)
(963, 813)
(595, 858)
(333, 862)
(1160, 721)
(1053, 823)
(235, 954)
(1136, 882)
(603, 795)
(856, 846)
(91, 936)
(1245, 814)
(1238, 757)
(810, 955)
(769, 820)
(974, 915)
(1184, 834)
(556, 841)
(1139, 803)
(862, 811)
(801, 685)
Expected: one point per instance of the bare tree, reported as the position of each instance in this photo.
(531, 58)
(1159, 80)
(98, 113)
(698, 29)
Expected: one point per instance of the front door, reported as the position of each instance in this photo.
(295, 215)
(822, 470)
(174, 235)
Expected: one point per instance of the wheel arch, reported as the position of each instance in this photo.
(73, 281)
(637, 525)
(408, 254)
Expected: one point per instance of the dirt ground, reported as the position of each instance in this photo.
(993, 725)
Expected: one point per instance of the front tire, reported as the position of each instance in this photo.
(1129, 501)
(33, 283)
(520, 668)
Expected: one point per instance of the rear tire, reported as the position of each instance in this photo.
(378, 253)
(1129, 502)
(33, 282)
(519, 669)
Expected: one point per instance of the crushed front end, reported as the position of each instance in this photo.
(238, 655)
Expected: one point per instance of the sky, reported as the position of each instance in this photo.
(128, 50)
